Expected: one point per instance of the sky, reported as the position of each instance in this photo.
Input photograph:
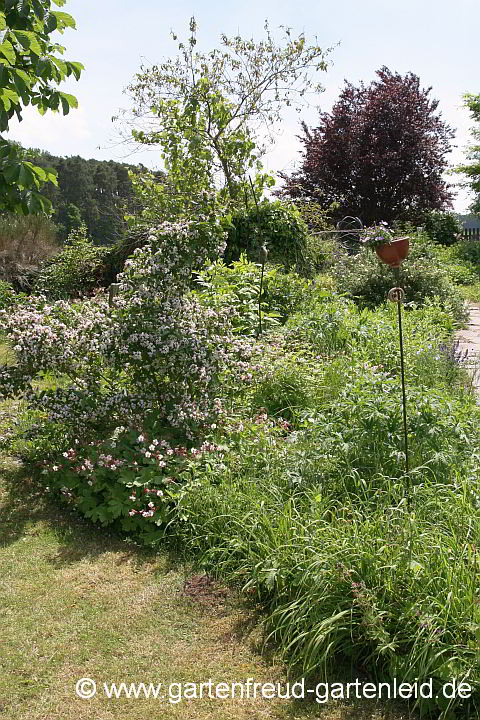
(435, 39)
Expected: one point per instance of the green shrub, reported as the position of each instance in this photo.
(461, 261)
(8, 296)
(462, 273)
(286, 293)
(315, 216)
(468, 250)
(275, 224)
(325, 326)
(75, 271)
(443, 228)
(284, 391)
(237, 286)
(471, 292)
(236, 289)
(297, 490)
(365, 279)
(323, 251)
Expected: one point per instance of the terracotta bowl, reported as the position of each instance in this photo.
(393, 253)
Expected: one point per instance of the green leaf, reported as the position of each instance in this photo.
(50, 23)
(63, 20)
(24, 8)
(28, 40)
(39, 172)
(36, 203)
(52, 177)
(44, 69)
(23, 76)
(8, 98)
(67, 101)
(116, 507)
(76, 68)
(61, 65)
(26, 177)
(38, 9)
(6, 48)
(11, 172)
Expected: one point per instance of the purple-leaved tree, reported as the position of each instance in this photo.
(379, 154)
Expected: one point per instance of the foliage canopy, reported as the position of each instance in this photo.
(379, 153)
(30, 67)
(95, 192)
(207, 111)
(472, 169)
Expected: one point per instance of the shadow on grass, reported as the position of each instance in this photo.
(355, 710)
(25, 506)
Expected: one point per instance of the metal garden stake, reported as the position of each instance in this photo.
(397, 295)
(393, 254)
(263, 258)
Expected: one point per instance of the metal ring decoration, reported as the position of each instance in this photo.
(349, 223)
(396, 294)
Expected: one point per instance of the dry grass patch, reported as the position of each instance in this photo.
(25, 243)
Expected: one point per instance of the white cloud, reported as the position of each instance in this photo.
(54, 132)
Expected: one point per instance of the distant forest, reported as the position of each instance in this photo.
(95, 192)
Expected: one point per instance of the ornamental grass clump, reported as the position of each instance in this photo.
(314, 526)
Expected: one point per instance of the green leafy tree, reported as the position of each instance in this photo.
(95, 192)
(31, 66)
(472, 169)
(207, 111)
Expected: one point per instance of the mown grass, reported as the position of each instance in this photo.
(79, 602)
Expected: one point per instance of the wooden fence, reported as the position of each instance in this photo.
(471, 233)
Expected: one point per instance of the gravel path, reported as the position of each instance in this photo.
(469, 345)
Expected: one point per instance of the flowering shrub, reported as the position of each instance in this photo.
(128, 480)
(154, 359)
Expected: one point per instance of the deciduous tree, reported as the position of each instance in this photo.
(472, 169)
(380, 153)
(207, 111)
